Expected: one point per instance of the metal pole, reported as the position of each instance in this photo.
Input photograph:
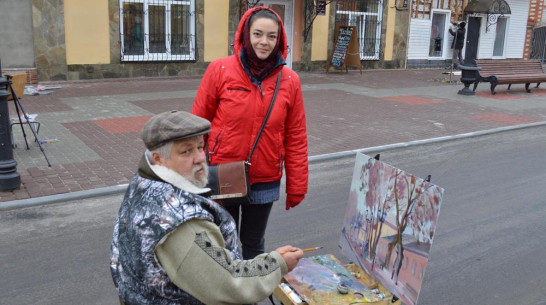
(543, 59)
(9, 177)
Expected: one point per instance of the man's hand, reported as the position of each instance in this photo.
(291, 255)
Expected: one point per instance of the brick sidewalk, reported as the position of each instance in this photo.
(97, 123)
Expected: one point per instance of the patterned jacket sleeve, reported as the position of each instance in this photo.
(195, 259)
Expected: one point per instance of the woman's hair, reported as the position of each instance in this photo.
(264, 14)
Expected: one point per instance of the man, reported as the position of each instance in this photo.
(458, 43)
(170, 244)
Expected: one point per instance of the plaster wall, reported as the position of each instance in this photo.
(17, 47)
(319, 45)
(86, 26)
(216, 29)
(394, 36)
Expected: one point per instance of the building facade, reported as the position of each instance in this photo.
(83, 39)
(500, 36)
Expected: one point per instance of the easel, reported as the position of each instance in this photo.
(346, 50)
(289, 296)
(30, 123)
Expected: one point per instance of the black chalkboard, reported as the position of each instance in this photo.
(342, 44)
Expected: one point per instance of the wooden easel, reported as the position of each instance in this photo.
(346, 52)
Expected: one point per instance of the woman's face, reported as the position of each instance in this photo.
(263, 36)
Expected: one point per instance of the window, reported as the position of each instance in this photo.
(157, 30)
(498, 47)
(437, 33)
(367, 16)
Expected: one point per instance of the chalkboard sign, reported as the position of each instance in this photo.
(342, 44)
(346, 51)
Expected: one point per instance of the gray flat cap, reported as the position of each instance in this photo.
(171, 126)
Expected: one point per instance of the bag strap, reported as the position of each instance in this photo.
(266, 118)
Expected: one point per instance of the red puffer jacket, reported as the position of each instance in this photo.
(236, 108)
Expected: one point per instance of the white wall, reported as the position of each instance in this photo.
(419, 39)
(419, 35)
(517, 26)
(515, 32)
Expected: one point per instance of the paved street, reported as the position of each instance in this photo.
(487, 248)
(96, 124)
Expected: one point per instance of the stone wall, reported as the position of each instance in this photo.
(49, 43)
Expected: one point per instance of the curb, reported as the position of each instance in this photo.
(24, 203)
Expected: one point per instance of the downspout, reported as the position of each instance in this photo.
(409, 26)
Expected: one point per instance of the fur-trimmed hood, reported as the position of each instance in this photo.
(162, 173)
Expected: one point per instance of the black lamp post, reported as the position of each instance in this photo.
(469, 69)
(468, 76)
(9, 177)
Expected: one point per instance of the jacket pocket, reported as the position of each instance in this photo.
(236, 89)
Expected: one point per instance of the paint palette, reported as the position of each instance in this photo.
(323, 279)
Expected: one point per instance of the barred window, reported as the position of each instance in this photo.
(157, 30)
(367, 15)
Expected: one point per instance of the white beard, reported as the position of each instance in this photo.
(191, 185)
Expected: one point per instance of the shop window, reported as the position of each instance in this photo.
(498, 47)
(157, 30)
(367, 16)
(437, 34)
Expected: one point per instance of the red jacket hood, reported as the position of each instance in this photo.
(237, 44)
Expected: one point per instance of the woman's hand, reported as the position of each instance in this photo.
(293, 200)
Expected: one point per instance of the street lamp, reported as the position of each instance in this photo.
(468, 76)
(9, 177)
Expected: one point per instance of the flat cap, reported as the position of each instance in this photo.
(171, 126)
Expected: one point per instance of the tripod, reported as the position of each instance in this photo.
(32, 125)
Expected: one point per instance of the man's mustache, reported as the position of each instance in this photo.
(198, 167)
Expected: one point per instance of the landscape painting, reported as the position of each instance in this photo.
(389, 225)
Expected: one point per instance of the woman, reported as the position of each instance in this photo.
(234, 95)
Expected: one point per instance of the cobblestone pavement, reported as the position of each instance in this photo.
(95, 125)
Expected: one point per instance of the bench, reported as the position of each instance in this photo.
(509, 71)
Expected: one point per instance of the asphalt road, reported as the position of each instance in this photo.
(488, 248)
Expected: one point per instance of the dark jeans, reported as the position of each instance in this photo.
(252, 227)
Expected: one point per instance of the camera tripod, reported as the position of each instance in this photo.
(19, 108)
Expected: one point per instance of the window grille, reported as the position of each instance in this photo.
(157, 30)
(538, 44)
(367, 16)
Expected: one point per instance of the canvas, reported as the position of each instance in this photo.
(389, 225)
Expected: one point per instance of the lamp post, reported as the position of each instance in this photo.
(9, 177)
(468, 76)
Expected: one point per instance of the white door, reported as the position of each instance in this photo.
(285, 9)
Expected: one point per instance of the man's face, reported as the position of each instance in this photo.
(187, 159)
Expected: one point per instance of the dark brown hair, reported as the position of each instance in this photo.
(264, 14)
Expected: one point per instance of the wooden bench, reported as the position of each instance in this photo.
(509, 71)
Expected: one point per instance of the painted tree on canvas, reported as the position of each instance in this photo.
(408, 202)
(377, 184)
(416, 207)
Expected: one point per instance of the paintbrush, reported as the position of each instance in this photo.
(306, 249)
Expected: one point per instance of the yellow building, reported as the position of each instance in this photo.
(90, 39)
